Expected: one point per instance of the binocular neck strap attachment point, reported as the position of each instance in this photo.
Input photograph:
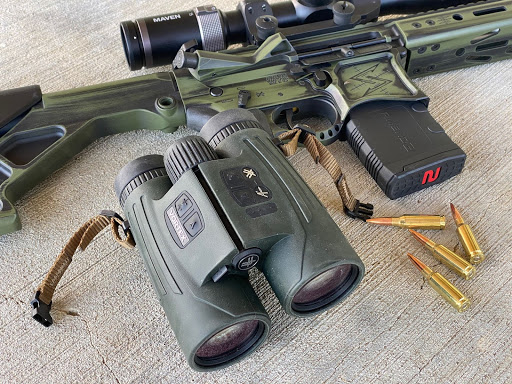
(353, 207)
(42, 301)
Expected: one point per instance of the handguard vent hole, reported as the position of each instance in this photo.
(489, 11)
(479, 59)
(486, 36)
(458, 17)
(490, 46)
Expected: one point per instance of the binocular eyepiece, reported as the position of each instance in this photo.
(216, 206)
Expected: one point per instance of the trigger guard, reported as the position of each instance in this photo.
(305, 109)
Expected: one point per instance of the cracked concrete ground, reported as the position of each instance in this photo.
(109, 326)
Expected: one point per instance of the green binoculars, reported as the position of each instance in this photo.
(215, 206)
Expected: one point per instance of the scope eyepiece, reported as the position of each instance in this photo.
(132, 44)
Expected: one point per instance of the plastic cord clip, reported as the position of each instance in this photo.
(41, 310)
(305, 130)
(111, 214)
(361, 211)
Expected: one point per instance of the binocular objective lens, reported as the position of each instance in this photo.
(230, 343)
(324, 288)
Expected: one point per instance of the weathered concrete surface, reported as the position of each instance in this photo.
(109, 326)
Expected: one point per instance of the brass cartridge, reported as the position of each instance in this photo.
(442, 286)
(453, 261)
(412, 221)
(473, 252)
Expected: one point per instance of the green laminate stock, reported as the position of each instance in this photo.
(66, 122)
(370, 62)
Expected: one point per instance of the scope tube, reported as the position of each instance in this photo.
(155, 40)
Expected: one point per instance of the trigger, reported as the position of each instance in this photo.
(289, 118)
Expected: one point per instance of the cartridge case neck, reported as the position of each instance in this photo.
(427, 272)
(431, 245)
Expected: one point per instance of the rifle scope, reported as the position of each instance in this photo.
(155, 40)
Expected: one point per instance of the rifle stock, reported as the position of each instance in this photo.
(63, 123)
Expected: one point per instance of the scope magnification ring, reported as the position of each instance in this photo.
(210, 28)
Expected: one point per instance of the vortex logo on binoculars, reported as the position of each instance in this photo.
(229, 201)
(248, 262)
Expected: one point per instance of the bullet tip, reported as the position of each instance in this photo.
(380, 221)
(456, 215)
(417, 263)
(422, 239)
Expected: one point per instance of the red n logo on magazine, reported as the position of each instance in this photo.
(430, 177)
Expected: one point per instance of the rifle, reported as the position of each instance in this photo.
(354, 74)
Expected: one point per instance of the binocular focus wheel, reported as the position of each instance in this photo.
(186, 154)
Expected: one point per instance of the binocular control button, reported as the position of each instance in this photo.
(249, 173)
(262, 192)
(244, 197)
(193, 225)
(183, 205)
(234, 178)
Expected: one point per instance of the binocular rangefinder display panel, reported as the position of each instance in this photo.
(259, 214)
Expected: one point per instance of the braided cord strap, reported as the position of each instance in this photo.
(322, 155)
(80, 239)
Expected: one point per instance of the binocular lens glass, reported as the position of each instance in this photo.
(230, 343)
(324, 288)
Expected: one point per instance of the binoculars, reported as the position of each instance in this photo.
(215, 206)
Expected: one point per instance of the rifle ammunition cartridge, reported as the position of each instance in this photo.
(442, 286)
(473, 252)
(453, 261)
(412, 221)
